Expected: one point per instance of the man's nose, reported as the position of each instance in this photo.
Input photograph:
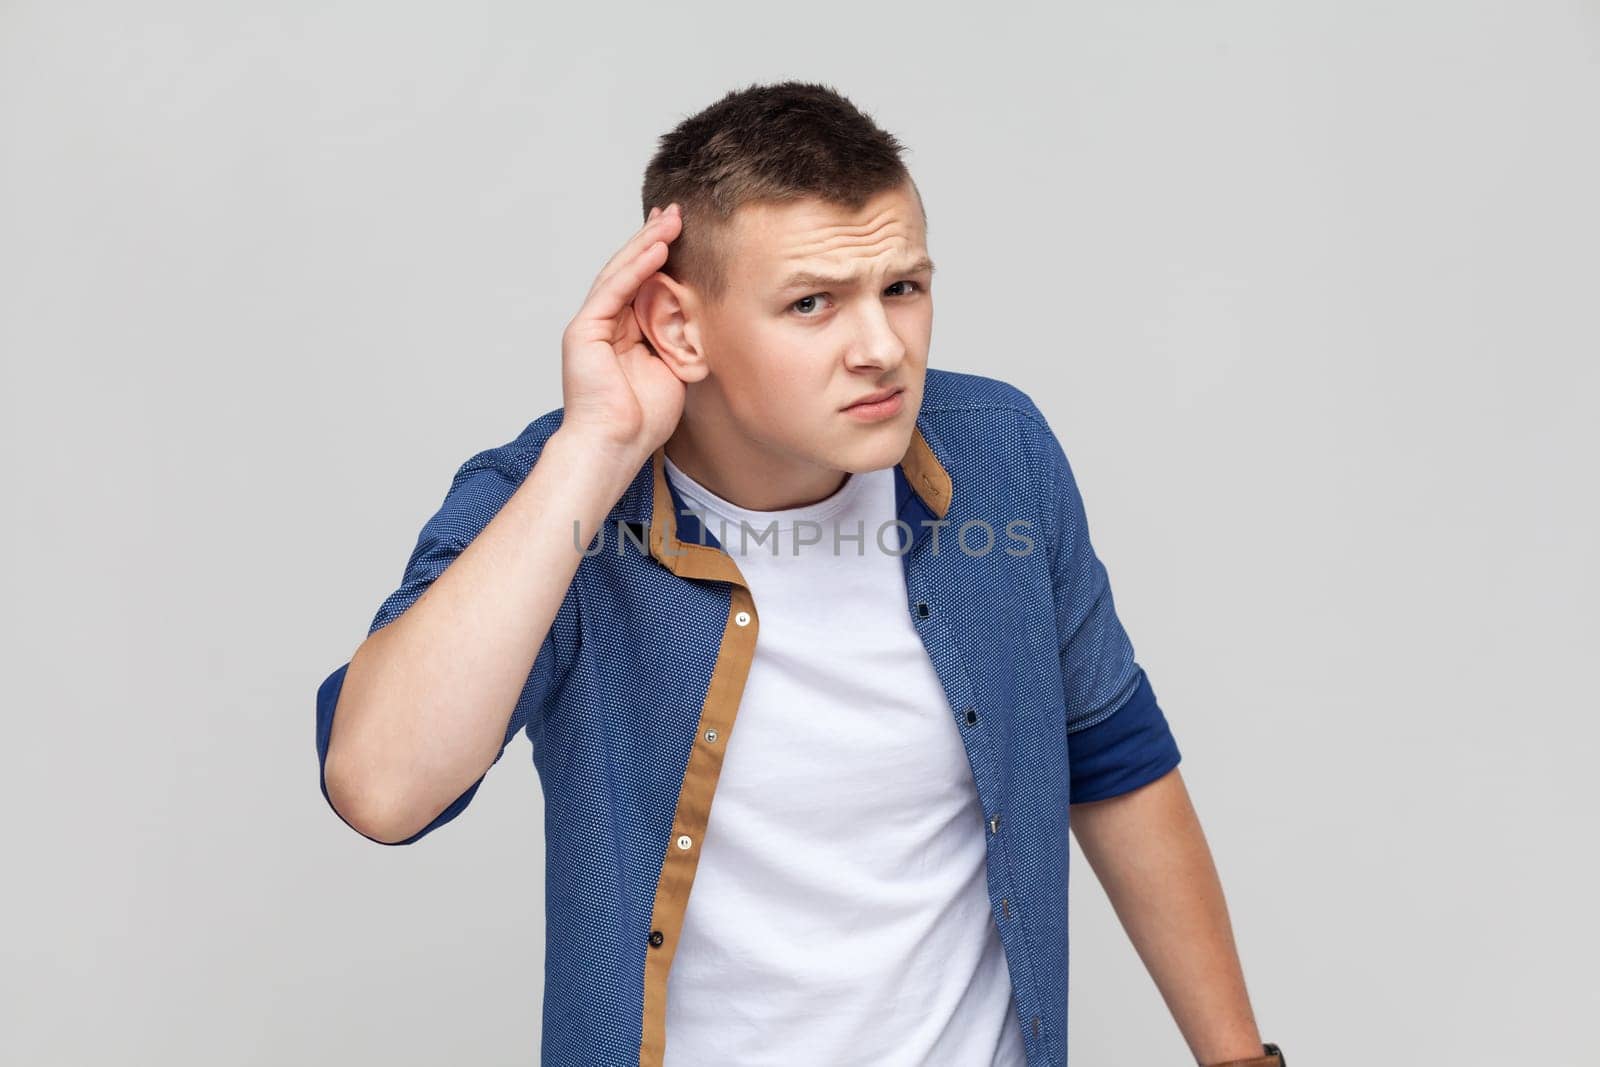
(877, 345)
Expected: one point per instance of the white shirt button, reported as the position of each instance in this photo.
(684, 841)
(743, 618)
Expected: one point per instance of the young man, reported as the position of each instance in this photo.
(758, 506)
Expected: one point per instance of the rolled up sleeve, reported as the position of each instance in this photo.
(1117, 736)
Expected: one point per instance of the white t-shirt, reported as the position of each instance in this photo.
(839, 913)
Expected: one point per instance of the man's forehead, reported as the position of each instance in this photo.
(774, 241)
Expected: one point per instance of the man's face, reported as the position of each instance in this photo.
(824, 307)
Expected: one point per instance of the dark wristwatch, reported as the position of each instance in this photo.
(1271, 1056)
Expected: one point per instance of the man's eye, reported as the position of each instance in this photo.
(916, 287)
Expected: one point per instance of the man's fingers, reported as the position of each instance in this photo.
(660, 227)
(612, 293)
(660, 224)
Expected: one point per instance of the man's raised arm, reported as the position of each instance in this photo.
(427, 699)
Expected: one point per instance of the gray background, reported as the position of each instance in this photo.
(1308, 291)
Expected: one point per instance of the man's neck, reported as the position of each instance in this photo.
(745, 474)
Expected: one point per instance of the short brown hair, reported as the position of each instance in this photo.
(779, 142)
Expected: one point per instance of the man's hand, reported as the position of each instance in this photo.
(617, 392)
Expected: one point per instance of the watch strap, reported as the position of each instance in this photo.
(1271, 1056)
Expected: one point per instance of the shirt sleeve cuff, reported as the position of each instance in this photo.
(1131, 747)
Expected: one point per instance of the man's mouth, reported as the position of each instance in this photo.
(873, 398)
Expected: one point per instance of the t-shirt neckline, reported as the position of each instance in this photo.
(704, 499)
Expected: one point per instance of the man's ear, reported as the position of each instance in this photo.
(667, 313)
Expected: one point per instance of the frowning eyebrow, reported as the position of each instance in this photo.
(805, 279)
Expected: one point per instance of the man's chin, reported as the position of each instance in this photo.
(870, 448)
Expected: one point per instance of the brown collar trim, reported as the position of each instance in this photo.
(686, 559)
(927, 475)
